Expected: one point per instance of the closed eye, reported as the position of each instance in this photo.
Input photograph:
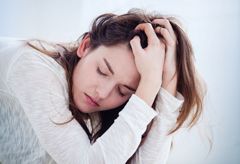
(120, 93)
(100, 72)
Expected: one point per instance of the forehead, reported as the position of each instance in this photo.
(121, 59)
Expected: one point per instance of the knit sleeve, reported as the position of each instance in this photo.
(156, 147)
(35, 82)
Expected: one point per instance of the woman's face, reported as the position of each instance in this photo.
(106, 74)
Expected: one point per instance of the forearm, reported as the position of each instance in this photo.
(147, 89)
(170, 85)
(156, 147)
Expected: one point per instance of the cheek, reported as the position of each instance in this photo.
(87, 73)
(115, 101)
(82, 78)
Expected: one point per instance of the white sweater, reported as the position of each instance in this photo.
(34, 94)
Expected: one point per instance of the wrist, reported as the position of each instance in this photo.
(152, 79)
(147, 90)
(170, 85)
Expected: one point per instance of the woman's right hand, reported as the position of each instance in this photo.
(149, 61)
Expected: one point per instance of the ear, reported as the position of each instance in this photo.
(84, 47)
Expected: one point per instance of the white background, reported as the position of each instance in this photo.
(214, 29)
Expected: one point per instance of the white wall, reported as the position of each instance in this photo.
(214, 29)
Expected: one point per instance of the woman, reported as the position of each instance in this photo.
(116, 96)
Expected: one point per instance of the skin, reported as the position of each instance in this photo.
(157, 61)
(170, 76)
(104, 89)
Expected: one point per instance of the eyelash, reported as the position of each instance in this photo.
(98, 70)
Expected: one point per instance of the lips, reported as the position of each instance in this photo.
(91, 101)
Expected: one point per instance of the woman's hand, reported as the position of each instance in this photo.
(149, 61)
(169, 69)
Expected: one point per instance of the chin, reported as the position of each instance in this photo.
(83, 110)
(86, 110)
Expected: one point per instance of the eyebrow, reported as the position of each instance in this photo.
(111, 70)
(108, 65)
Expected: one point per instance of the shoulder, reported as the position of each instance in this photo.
(40, 84)
(34, 65)
(36, 70)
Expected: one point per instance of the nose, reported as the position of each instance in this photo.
(105, 89)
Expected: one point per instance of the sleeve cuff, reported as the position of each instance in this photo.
(166, 99)
(137, 113)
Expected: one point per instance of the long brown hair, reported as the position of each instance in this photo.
(111, 29)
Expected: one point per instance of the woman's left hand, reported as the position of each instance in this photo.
(169, 81)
